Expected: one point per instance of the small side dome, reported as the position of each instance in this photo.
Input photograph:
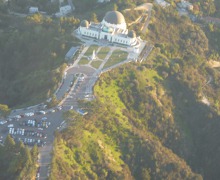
(84, 23)
(132, 34)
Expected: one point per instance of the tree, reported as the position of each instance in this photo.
(94, 18)
(34, 153)
(9, 143)
(4, 110)
(210, 7)
(145, 175)
(53, 101)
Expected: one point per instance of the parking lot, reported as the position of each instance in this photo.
(37, 125)
(30, 128)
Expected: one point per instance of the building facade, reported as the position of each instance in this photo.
(113, 28)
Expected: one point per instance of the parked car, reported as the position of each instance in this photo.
(42, 112)
(52, 111)
(17, 116)
(11, 131)
(28, 114)
(11, 125)
(3, 122)
(44, 118)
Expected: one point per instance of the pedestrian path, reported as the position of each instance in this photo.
(81, 55)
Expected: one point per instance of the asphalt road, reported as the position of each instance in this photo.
(78, 91)
(74, 88)
(70, 74)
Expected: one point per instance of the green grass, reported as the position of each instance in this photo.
(152, 76)
(90, 50)
(116, 57)
(103, 52)
(96, 64)
(83, 61)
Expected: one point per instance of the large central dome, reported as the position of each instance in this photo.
(114, 17)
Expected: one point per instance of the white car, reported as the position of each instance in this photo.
(52, 110)
(11, 125)
(44, 118)
(3, 122)
(17, 116)
(42, 112)
(29, 114)
(11, 131)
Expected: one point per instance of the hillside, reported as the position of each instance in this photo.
(32, 52)
(17, 161)
(154, 120)
(125, 134)
(148, 120)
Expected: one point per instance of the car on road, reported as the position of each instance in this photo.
(52, 111)
(3, 122)
(44, 118)
(11, 125)
(40, 112)
(29, 114)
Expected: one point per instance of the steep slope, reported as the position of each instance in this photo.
(148, 120)
(116, 140)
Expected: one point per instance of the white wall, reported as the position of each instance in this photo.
(88, 32)
(121, 26)
(111, 38)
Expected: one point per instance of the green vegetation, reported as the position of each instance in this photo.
(53, 102)
(83, 61)
(116, 57)
(90, 50)
(22, 6)
(96, 64)
(32, 55)
(148, 120)
(4, 110)
(17, 161)
(103, 52)
(123, 130)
